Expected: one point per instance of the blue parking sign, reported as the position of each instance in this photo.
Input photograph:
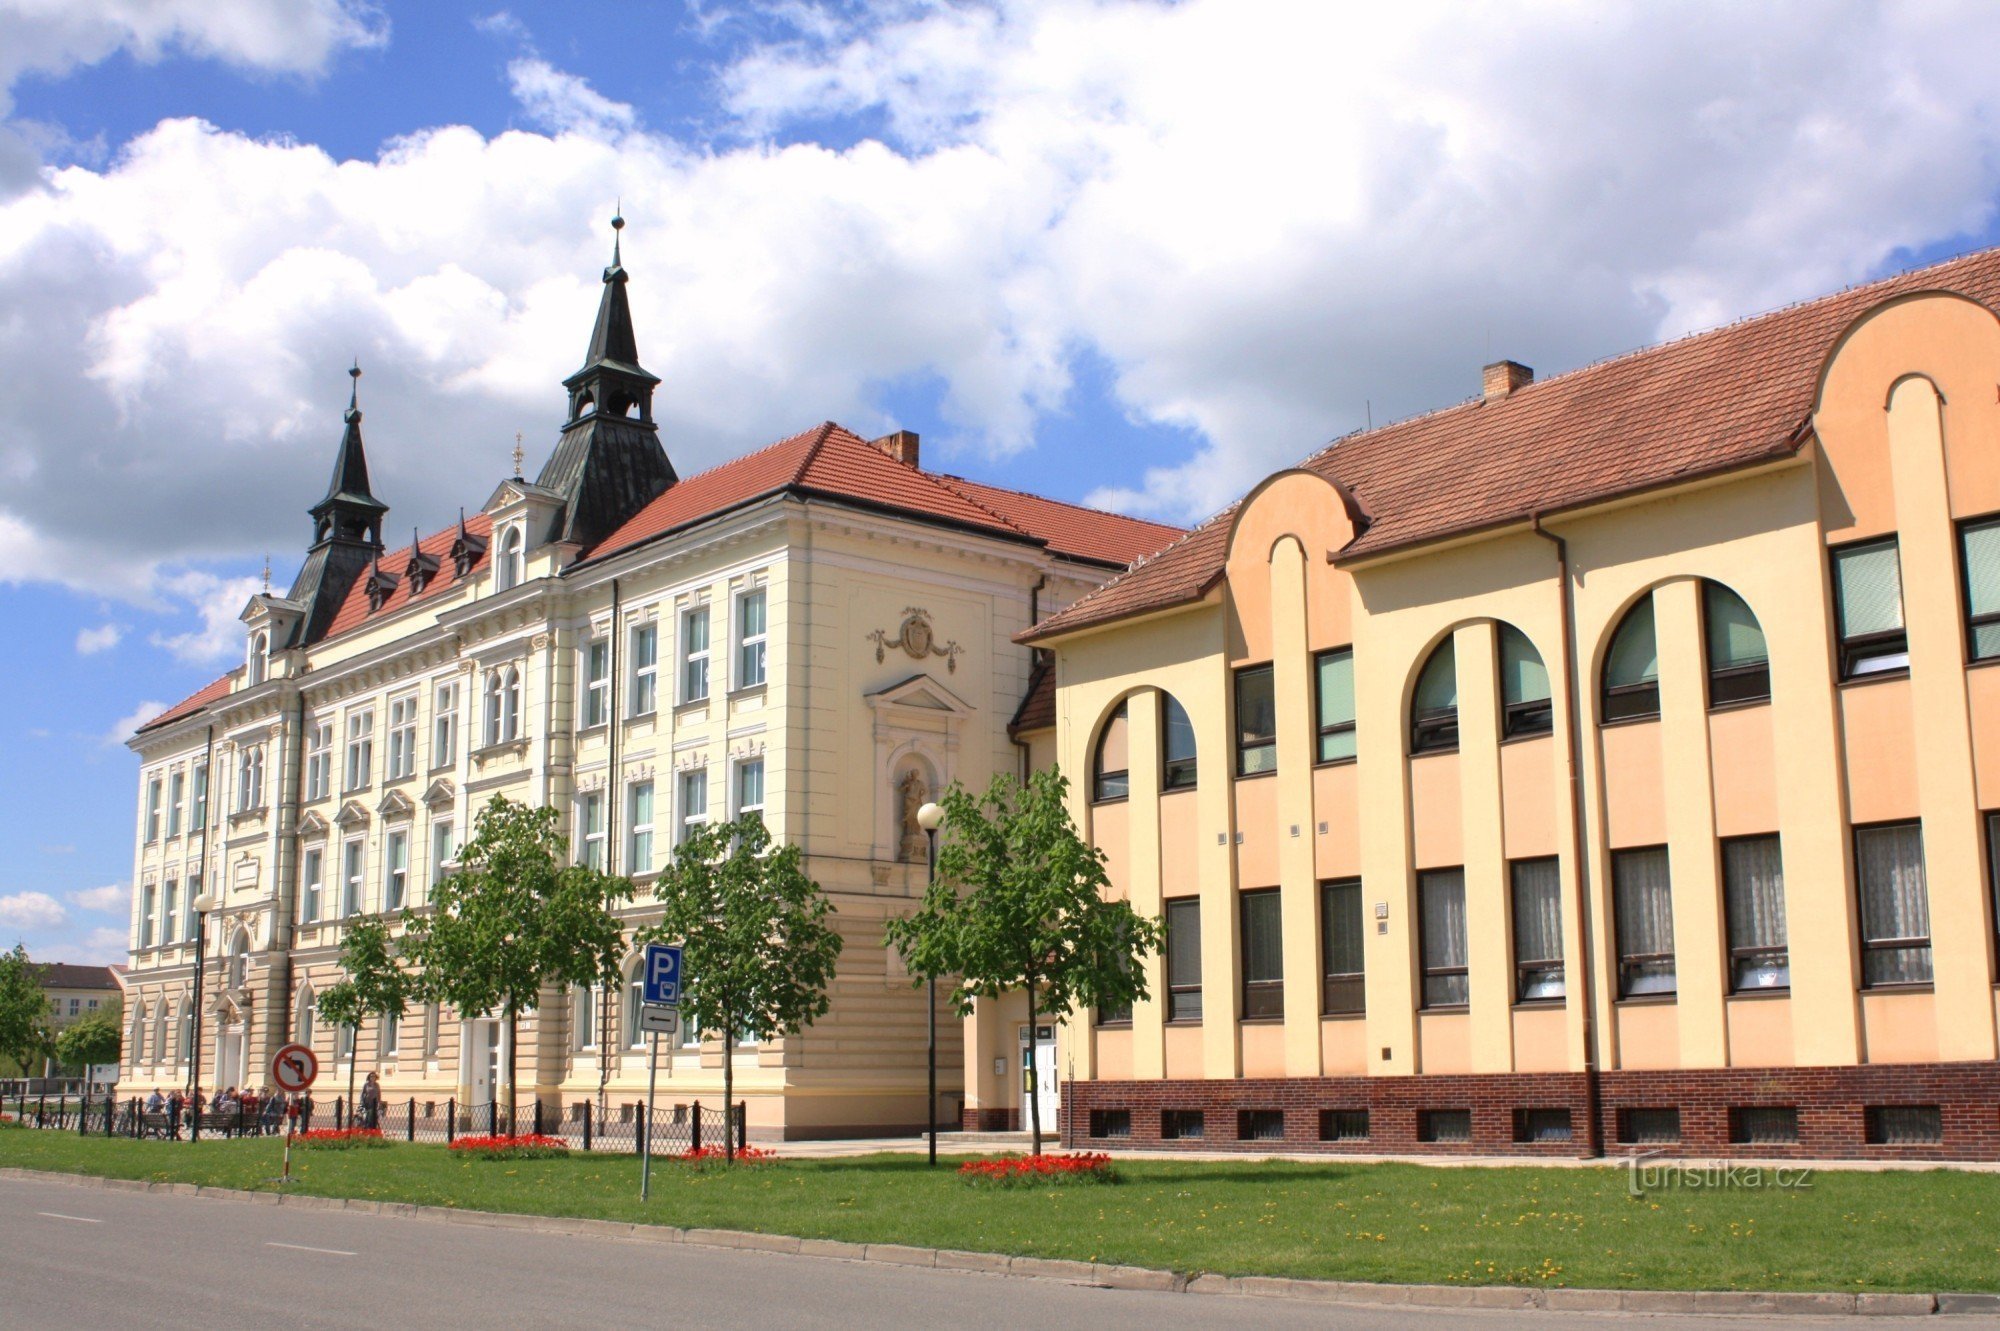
(663, 974)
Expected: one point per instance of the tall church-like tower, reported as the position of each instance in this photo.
(609, 463)
(347, 532)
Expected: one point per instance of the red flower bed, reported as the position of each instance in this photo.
(1016, 1170)
(525, 1146)
(745, 1155)
(342, 1138)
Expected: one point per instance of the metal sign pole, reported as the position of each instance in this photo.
(646, 1137)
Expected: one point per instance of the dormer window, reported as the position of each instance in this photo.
(381, 586)
(466, 549)
(420, 570)
(507, 569)
(260, 654)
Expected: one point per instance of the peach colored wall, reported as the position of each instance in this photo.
(1302, 505)
(1540, 1042)
(1109, 831)
(1760, 1032)
(1343, 1044)
(1637, 806)
(1982, 688)
(1743, 764)
(1263, 1049)
(1180, 833)
(1529, 791)
(1881, 750)
(1337, 851)
(1444, 1042)
(1114, 1054)
(1899, 1028)
(1648, 1035)
(1438, 823)
(1257, 820)
(1183, 1045)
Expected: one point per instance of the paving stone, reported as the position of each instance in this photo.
(1206, 1283)
(852, 1252)
(1968, 1303)
(1045, 1268)
(1135, 1277)
(1584, 1300)
(901, 1254)
(952, 1259)
(1894, 1305)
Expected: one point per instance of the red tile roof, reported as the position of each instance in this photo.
(194, 702)
(831, 462)
(1038, 705)
(354, 609)
(1724, 399)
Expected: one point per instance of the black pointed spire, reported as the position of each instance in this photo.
(612, 342)
(347, 529)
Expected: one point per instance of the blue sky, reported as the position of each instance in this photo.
(1129, 253)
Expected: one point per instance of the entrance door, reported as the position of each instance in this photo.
(229, 1057)
(1044, 1086)
(483, 1047)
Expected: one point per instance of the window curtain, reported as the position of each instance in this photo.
(1184, 960)
(1442, 901)
(1645, 903)
(1871, 589)
(1113, 762)
(1263, 956)
(1340, 946)
(1538, 928)
(1894, 904)
(1753, 881)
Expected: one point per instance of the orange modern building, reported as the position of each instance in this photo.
(1609, 762)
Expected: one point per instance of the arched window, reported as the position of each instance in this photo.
(508, 567)
(184, 1031)
(162, 1054)
(302, 1016)
(239, 959)
(260, 651)
(1111, 777)
(343, 1044)
(1524, 686)
(137, 1053)
(583, 1016)
(635, 998)
(1177, 744)
(1434, 708)
(1632, 666)
(1739, 666)
(503, 705)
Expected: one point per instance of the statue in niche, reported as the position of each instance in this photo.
(911, 794)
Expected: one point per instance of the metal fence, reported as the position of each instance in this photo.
(618, 1128)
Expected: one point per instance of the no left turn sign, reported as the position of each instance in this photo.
(294, 1068)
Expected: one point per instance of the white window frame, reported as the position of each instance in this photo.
(751, 647)
(444, 845)
(402, 737)
(645, 669)
(191, 888)
(312, 882)
(695, 668)
(503, 705)
(319, 761)
(353, 875)
(510, 567)
(639, 833)
(396, 869)
(583, 1013)
(688, 818)
(198, 800)
(591, 838)
(444, 724)
(176, 796)
(303, 1016)
(154, 789)
(358, 765)
(596, 672)
(391, 1037)
(170, 923)
(149, 897)
(250, 779)
(738, 771)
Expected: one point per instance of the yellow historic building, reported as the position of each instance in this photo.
(821, 631)
(1607, 762)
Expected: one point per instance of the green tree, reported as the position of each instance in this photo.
(96, 1037)
(757, 952)
(515, 916)
(376, 985)
(1018, 903)
(24, 1011)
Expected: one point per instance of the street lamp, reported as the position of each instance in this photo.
(201, 906)
(930, 818)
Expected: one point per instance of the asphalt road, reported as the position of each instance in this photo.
(73, 1255)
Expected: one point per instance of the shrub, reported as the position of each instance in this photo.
(525, 1146)
(1009, 1171)
(745, 1155)
(341, 1139)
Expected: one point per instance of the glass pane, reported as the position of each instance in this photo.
(1870, 585)
(1634, 656)
(1183, 942)
(1523, 677)
(1263, 954)
(694, 631)
(1441, 901)
(1895, 905)
(1437, 687)
(1340, 928)
(1336, 745)
(1537, 913)
(1645, 906)
(1256, 708)
(1336, 687)
(1112, 746)
(1753, 879)
(1734, 636)
(753, 614)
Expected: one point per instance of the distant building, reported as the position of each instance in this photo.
(821, 632)
(78, 991)
(1612, 760)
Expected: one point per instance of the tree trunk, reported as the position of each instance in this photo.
(353, 1062)
(512, 1050)
(1034, 1075)
(728, 1092)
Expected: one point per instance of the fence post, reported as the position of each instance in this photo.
(694, 1144)
(586, 1125)
(451, 1120)
(538, 1116)
(642, 1136)
(42, 1108)
(493, 1117)
(110, 1111)
(412, 1136)
(742, 1124)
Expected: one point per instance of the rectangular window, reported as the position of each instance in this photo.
(1342, 989)
(1753, 896)
(187, 918)
(170, 914)
(1993, 862)
(1868, 600)
(639, 840)
(596, 683)
(1343, 1125)
(750, 787)
(1444, 1125)
(1180, 1125)
(1110, 1122)
(176, 794)
(396, 862)
(392, 1036)
(442, 846)
(1895, 906)
(153, 810)
(1441, 903)
(590, 829)
(1764, 1125)
(694, 654)
(1649, 1127)
(311, 876)
(402, 738)
(250, 779)
(148, 901)
(319, 761)
(645, 669)
(1643, 897)
(444, 726)
(1263, 954)
(750, 639)
(1260, 1125)
(694, 800)
(1256, 722)
(198, 816)
(360, 749)
(1334, 685)
(1184, 959)
(1538, 930)
(1904, 1125)
(353, 859)
(1979, 558)
(1541, 1125)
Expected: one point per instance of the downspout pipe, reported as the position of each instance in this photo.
(1593, 1127)
(613, 729)
(1034, 618)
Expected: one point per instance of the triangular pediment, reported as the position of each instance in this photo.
(352, 814)
(394, 805)
(922, 693)
(440, 793)
(312, 825)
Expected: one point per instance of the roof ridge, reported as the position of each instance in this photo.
(1051, 499)
(944, 482)
(1147, 561)
(825, 431)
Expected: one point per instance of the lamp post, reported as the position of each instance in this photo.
(930, 818)
(201, 906)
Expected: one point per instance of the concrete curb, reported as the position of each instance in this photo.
(1713, 1302)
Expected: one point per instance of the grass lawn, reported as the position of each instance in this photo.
(1936, 1230)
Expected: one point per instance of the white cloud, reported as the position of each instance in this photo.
(564, 102)
(123, 728)
(32, 910)
(111, 897)
(98, 947)
(219, 603)
(91, 641)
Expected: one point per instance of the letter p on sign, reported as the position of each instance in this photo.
(663, 974)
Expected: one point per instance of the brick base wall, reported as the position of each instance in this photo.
(989, 1120)
(1832, 1111)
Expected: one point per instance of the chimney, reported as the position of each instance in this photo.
(902, 446)
(1503, 377)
